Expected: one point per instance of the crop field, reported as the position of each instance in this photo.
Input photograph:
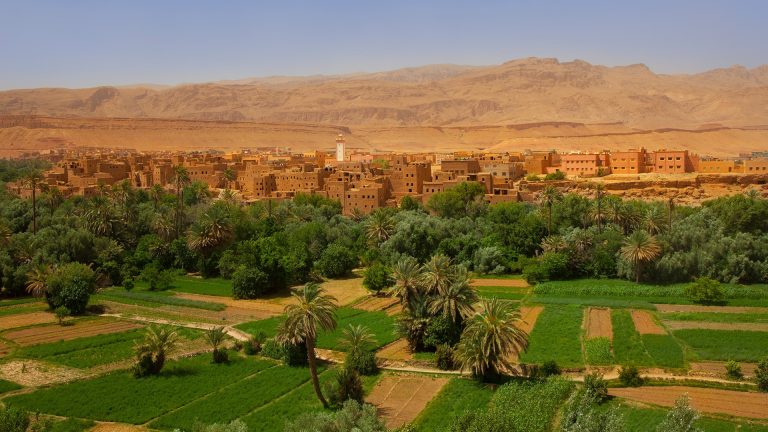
(725, 345)
(556, 336)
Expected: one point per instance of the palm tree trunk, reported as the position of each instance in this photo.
(313, 371)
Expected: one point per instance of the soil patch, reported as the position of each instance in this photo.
(708, 325)
(78, 329)
(400, 399)
(397, 350)
(528, 317)
(740, 404)
(516, 283)
(27, 319)
(645, 324)
(717, 369)
(32, 373)
(598, 323)
(722, 309)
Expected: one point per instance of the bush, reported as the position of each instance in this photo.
(13, 420)
(61, 312)
(248, 283)
(346, 386)
(158, 280)
(71, 286)
(336, 261)
(377, 278)
(445, 357)
(733, 370)
(761, 375)
(630, 376)
(596, 386)
(705, 291)
(363, 362)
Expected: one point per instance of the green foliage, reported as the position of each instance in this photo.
(733, 370)
(336, 261)
(377, 278)
(13, 419)
(705, 291)
(598, 351)
(352, 417)
(630, 376)
(444, 357)
(71, 286)
(761, 375)
(249, 283)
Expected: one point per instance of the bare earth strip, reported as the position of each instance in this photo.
(515, 283)
(598, 323)
(645, 324)
(400, 399)
(528, 317)
(23, 320)
(54, 333)
(712, 368)
(664, 308)
(397, 350)
(708, 325)
(740, 404)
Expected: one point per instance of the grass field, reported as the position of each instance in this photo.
(725, 345)
(716, 317)
(556, 336)
(459, 395)
(155, 299)
(379, 323)
(505, 293)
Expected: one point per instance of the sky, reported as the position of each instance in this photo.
(85, 43)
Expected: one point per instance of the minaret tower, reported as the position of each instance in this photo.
(340, 144)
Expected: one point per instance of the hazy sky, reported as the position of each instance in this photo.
(80, 43)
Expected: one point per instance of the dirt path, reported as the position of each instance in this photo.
(645, 324)
(528, 317)
(708, 325)
(664, 308)
(598, 323)
(26, 319)
(78, 329)
(516, 283)
(740, 404)
(400, 399)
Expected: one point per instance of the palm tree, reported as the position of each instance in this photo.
(379, 226)
(490, 340)
(457, 300)
(180, 179)
(357, 339)
(212, 230)
(548, 197)
(436, 274)
(37, 280)
(407, 275)
(32, 180)
(152, 352)
(313, 310)
(640, 248)
(215, 338)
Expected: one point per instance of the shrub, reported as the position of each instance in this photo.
(733, 370)
(248, 283)
(13, 420)
(71, 286)
(377, 278)
(336, 261)
(61, 312)
(346, 385)
(705, 291)
(595, 385)
(761, 375)
(630, 376)
(445, 357)
(363, 362)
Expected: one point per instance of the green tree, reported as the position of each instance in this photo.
(313, 310)
(640, 248)
(490, 340)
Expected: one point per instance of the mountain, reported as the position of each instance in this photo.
(527, 90)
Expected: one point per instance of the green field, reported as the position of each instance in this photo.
(739, 345)
(505, 293)
(556, 336)
(155, 299)
(459, 395)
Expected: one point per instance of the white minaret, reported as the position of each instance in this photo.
(340, 144)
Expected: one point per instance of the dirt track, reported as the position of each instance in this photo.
(516, 283)
(645, 324)
(740, 404)
(664, 308)
(23, 320)
(400, 399)
(54, 333)
(708, 325)
(598, 323)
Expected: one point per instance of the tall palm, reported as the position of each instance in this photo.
(180, 180)
(357, 339)
(407, 275)
(436, 273)
(491, 339)
(212, 230)
(457, 300)
(157, 344)
(37, 280)
(548, 197)
(313, 310)
(640, 248)
(32, 180)
(379, 226)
